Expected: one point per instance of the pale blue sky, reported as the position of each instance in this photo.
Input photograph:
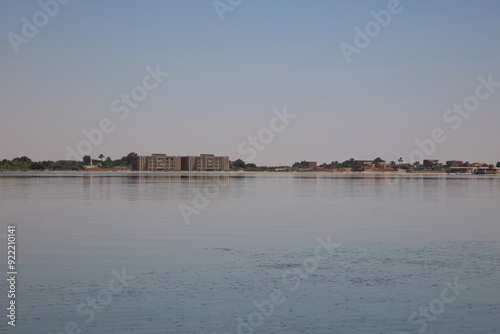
(227, 76)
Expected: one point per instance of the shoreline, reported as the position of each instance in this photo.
(238, 172)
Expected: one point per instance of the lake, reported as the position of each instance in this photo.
(252, 252)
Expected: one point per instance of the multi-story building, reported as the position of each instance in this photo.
(156, 161)
(204, 162)
(311, 164)
(487, 170)
(454, 163)
(430, 164)
(207, 162)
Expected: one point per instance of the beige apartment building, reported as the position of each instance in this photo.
(204, 162)
(210, 162)
(156, 161)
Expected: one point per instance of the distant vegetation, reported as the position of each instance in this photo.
(302, 164)
(352, 163)
(24, 163)
(241, 165)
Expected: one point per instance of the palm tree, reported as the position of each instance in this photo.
(101, 156)
(400, 160)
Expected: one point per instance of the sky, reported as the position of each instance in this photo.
(266, 81)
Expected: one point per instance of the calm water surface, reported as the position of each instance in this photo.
(207, 250)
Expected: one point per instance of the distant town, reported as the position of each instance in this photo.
(211, 162)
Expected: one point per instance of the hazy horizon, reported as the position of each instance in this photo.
(225, 78)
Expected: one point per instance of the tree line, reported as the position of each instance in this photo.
(24, 163)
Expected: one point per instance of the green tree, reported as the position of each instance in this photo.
(302, 164)
(22, 163)
(498, 164)
(48, 164)
(68, 165)
(130, 156)
(125, 160)
(24, 159)
(37, 166)
(108, 162)
(86, 159)
(239, 164)
(348, 163)
(101, 156)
